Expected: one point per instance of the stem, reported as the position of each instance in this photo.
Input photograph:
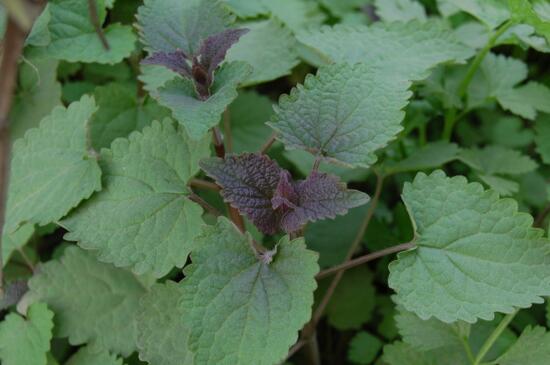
(13, 46)
(203, 184)
(542, 215)
(467, 349)
(227, 130)
(450, 116)
(489, 342)
(92, 7)
(200, 201)
(363, 259)
(336, 280)
(267, 145)
(311, 348)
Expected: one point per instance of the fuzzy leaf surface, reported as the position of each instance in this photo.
(52, 169)
(169, 25)
(344, 113)
(198, 116)
(26, 341)
(241, 304)
(475, 254)
(93, 302)
(402, 51)
(144, 218)
(73, 38)
(532, 347)
(88, 355)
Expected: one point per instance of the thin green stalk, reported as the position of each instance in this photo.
(467, 349)
(451, 116)
(494, 336)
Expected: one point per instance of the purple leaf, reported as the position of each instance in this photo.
(175, 61)
(266, 193)
(320, 196)
(214, 48)
(249, 182)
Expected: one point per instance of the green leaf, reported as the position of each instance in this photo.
(532, 347)
(52, 169)
(526, 100)
(155, 76)
(198, 116)
(275, 294)
(168, 25)
(400, 353)
(26, 341)
(352, 304)
(503, 186)
(162, 330)
(144, 218)
(120, 113)
(542, 139)
(248, 115)
(233, 304)
(491, 12)
(381, 47)
(39, 92)
(497, 78)
(93, 302)
(400, 10)
(363, 348)
(344, 113)
(430, 156)
(73, 37)
(296, 14)
(269, 48)
(246, 8)
(497, 160)
(475, 254)
(533, 14)
(331, 242)
(90, 356)
(16, 240)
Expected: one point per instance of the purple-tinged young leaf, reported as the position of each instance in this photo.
(321, 196)
(214, 48)
(259, 188)
(249, 182)
(176, 61)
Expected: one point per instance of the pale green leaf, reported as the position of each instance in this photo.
(247, 8)
(532, 347)
(142, 218)
(38, 93)
(296, 14)
(120, 113)
(400, 353)
(248, 115)
(363, 348)
(162, 328)
(475, 254)
(167, 25)
(401, 51)
(344, 113)
(430, 156)
(503, 186)
(89, 356)
(526, 100)
(400, 10)
(269, 48)
(73, 37)
(52, 169)
(328, 239)
(26, 341)
(341, 8)
(198, 116)
(497, 160)
(491, 12)
(93, 302)
(16, 240)
(535, 15)
(258, 302)
(542, 139)
(155, 76)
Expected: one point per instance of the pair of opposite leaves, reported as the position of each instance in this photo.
(271, 199)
